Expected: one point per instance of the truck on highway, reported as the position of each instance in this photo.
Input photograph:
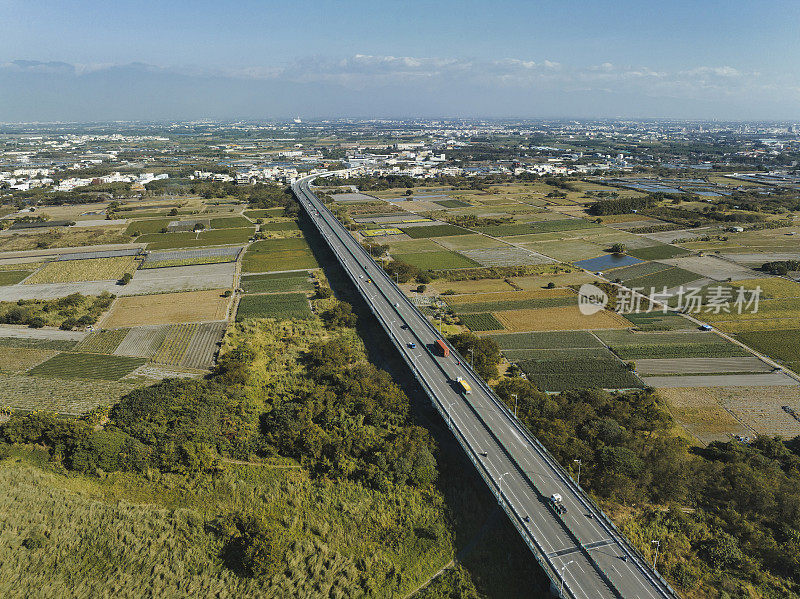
(463, 386)
(444, 351)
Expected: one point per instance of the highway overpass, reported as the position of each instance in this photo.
(581, 551)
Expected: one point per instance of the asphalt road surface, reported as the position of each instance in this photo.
(580, 547)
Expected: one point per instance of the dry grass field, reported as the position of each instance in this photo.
(52, 238)
(475, 286)
(699, 411)
(559, 280)
(94, 269)
(509, 295)
(64, 396)
(167, 308)
(21, 359)
(565, 318)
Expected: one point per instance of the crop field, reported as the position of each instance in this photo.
(771, 287)
(275, 305)
(12, 277)
(145, 227)
(607, 261)
(102, 342)
(560, 319)
(767, 309)
(163, 241)
(506, 256)
(277, 255)
(574, 353)
(266, 213)
(658, 321)
(545, 226)
(782, 345)
(175, 344)
(712, 267)
(230, 222)
(276, 282)
(554, 340)
(521, 304)
(20, 359)
(700, 366)
(63, 238)
(281, 226)
(566, 250)
(440, 260)
(672, 277)
(87, 366)
(423, 231)
(658, 252)
(509, 296)
(93, 269)
(676, 350)
(143, 342)
(588, 372)
(476, 286)
(638, 270)
(451, 203)
(618, 338)
(167, 308)
(60, 395)
(203, 346)
(761, 407)
(701, 413)
(190, 257)
(466, 242)
(26, 342)
(559, 280)
(480, 321)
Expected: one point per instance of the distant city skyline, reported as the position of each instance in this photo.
(86, 60)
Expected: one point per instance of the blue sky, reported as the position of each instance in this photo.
(262, 59)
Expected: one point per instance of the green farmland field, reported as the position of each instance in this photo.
(443, 260)
(278, 254)
(230, 222)
(483, 321)
(275, 305)
(561, 374)
(689, 350)
(434, 231)
(550, 340)
(24, 342)
(163, 241)
(144, 227)
(282, 226)
(545, 226)
(783, 345)
(672, 277)
(12, 277)
(277, 282)
(523, 304)
(102, 342)
(87, 366)
(659, 252)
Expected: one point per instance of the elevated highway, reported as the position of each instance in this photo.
(581, 551)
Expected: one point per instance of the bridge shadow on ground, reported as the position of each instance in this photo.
(486, 543)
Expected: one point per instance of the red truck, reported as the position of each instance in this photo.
(443, 349)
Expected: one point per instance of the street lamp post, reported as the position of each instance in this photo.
(655, 557)
(561, 588)
(579, 471)
(514, 395)
(500, 484)
(471, 356)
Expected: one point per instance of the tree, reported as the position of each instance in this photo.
(618, 248)
(126, 278)
(485, 353)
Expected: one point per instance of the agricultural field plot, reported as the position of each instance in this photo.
(771, 287)
(545, 226)
(554, 340)
(701, 366)
(278, 255)
(637, 270)
(276, 282)
(562, 318)
(577, 373)
(781, 345)
(476, 286)
(230, 222)
(440, 260)
(202, 349)
(658, 252)
(693, 344)
(574, 353)
(469, 242)
(521, 304)
(761, 407)
(507, 256)
(607, 261)
(712, 267)
(68, 238)
(265, 213)
(164, 241)
(87, 366)
(193, 224)
(142, 342)
(275, 305)
(480, 321)
(772, 379)
(701, 413)
(281, 226)
(669, 278)
(35, 343)
(191, 257)
(12, 277)
(21, 359)
(452, 203)
(60, 395)
(167, 308)
(179, 278)
(102, 342)
(559, 280)
(143, 227)
(659, 321)
(424, 231)
(93, 269)
(175, 348)
(412, 246)
(505, 295)
(784, 308)
(565, 250)
(352, 197)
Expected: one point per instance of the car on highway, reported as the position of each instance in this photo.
(412, 345)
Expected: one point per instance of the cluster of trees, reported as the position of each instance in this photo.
(471, 221)
(74, 310)
(781, 267)
(260, 195)
(620, 205)
(403, 272)
(482, 352)
(735, 508)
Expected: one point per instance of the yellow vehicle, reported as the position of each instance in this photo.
(464, 386)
